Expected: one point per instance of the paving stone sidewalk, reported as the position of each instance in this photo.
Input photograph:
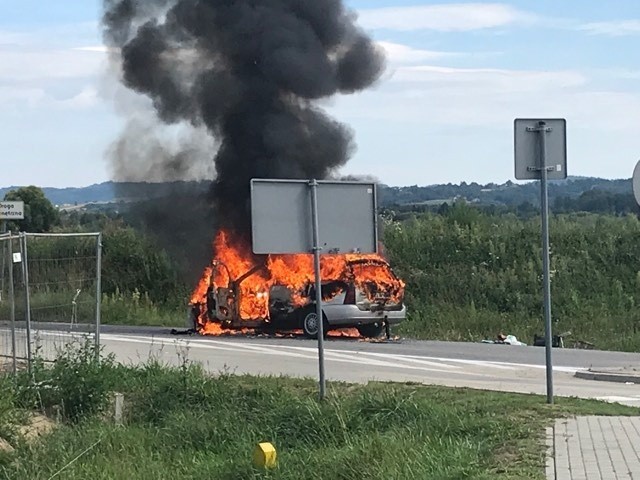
(594, 448)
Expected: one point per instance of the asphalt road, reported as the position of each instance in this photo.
(474, 365)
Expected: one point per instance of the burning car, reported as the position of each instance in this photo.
(277, 293)
(253, 97)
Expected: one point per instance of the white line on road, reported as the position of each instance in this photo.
(389, 360)
(614, 398)
(438, 364)
(331, 355)
(488, 363)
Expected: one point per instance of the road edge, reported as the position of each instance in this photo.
(607, 377)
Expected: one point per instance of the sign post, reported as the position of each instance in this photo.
(12, 299)
(9, 211)
(312, 216)
(318, 277)
(541, 153)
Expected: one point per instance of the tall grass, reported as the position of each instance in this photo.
(135, 308)
(472, 275)
(183, 424)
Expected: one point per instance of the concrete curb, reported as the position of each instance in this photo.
(550, 465)
(607, 376)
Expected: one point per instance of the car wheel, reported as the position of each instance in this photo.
(310, 325)
(373, 330)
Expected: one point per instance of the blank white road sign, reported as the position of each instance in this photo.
(281, 217)
(527, 148)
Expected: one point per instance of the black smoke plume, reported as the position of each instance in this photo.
(251, 72)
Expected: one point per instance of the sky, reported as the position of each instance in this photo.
(458, 75)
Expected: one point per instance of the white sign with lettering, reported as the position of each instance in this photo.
(11, 210)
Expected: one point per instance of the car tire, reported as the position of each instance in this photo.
(372, 330)
(310, 325)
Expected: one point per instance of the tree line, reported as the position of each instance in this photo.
(471, 272)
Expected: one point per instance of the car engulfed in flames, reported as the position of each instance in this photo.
(243, 292)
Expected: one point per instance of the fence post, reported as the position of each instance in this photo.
(12, 299)
(3, 230)
(27, 299)
(98, 290)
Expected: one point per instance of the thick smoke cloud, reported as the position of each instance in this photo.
(153, 152)
(249, 71)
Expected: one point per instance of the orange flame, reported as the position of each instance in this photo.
(233, 259)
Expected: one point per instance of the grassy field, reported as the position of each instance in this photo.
(472, 275)
(466, 323)
(182, 424)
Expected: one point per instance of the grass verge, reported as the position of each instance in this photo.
(463, 323)
(182, 424)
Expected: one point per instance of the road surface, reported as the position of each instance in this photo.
(475, 365)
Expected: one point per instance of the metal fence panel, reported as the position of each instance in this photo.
(63, 290)
(12, 339)
(54, 287)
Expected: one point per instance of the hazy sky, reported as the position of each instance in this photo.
(458, 74)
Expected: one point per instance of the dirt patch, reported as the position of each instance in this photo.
(5, 447)
(6, 365)
(36, 427)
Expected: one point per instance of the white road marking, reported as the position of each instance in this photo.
(176, 342)
(614, 398)
(438, 361)
(333, 355)
(388, 360)
(330, 355)
(439, 364)
(486, 363)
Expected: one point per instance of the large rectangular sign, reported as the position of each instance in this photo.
(11, 210)
(527, 148)
(281, 217)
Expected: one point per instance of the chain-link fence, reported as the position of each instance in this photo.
(51, 293)
(10, 348)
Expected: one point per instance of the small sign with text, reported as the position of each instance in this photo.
(11, 210)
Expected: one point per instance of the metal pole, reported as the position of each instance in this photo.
(316, 257)
(27, 299)
(98, 290)
(544, 200)
(13, 306)
(3, 229)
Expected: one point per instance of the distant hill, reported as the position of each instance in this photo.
(108, 192)
(103, 192)
(509, 193)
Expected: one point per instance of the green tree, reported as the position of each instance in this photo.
(39, 214)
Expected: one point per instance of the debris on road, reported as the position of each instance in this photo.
(505, 340)
(557, 341)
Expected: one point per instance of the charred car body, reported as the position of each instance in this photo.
(352, 301)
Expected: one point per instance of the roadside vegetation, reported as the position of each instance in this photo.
(180, 423)
(471, 273)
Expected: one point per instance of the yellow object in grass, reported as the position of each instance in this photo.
(264, 456)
